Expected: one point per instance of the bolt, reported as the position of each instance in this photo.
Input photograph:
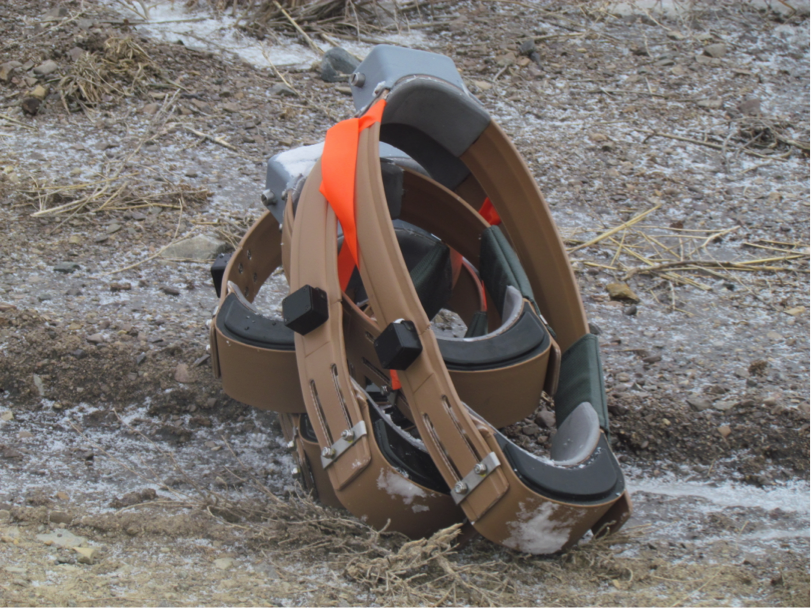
(480, 469)
(357, 80)
(328, 453)
(267, 197)
(348, 435)
(460, 487)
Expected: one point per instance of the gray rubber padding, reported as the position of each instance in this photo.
(577, 436)
(450, 117)
(581, 380)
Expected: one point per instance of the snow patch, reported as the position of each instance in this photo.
(396, 485)
(536, 532)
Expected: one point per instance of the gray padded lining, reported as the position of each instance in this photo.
(500, 269)
(577, 436)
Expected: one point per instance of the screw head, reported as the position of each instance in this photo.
(480, 469)
(460, 487)
(328, 453)
(348, 435)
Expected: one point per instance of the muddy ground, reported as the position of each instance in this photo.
(114, 435)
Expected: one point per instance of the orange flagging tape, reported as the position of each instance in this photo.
(338, 166)
(489, 213)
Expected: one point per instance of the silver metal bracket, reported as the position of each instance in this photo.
(464, 487)
(348, 438)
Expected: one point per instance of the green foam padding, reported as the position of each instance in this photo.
(500, 268)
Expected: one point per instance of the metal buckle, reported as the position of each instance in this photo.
(471, 481)
(348, 438)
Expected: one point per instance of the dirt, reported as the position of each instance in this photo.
(707, 372)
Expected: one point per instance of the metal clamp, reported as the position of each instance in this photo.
(348, 438)
(465, 486)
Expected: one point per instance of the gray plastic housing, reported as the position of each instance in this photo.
(385, 65)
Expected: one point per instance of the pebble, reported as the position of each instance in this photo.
(621, 291)
(46, 68)
(630, 310)
(623, 377)
(39, 385)
(95, 339)
(39, 91)
(66, 267)
(6, 416)
(652, 359)
(716, 50)
(531, 430)
(281, 90)
(59, 517)
(714, 103)
(113, 228)
(87, 555)
(725, 430)
(76, 52)
(724, 405)
(223, 563)
(25, 435)
(170, 291)
(546, 418)
(182, 374)
(773, 335)
(699, 403)
(202, 247)
(44, 297)
(337, 64)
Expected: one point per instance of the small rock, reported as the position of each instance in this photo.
(594, 329)
(62, 495)
(6, 416)
(717, 50)
(223, 563)
(45, 296)
(231, 108)
(150, 109)
(6, 70)
(673, 35)
(113, 228)
(66, 267)
(281, 90)
(202, 247)
(795, 311)
(724, 430)
(337, 64)
(25, 435)
(134, 498)
(170, 291)
(39, 385)
(78, 353)
(546, 418)
(699, 403)
(39, 91)
(76, 52)
(623, 377)
(621, 291)
(75, 239)
(483, 85)
(87, 555)
(773, 335)
(531, 430)
(31, 105)
(750, 106)
(140, 359)
(182, 374)
(725, 405)
(652, 359)
(59, 517)
(630, 310)
(115, 287)
(95, 339)
(46, 68)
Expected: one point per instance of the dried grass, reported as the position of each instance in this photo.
(122, 69)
